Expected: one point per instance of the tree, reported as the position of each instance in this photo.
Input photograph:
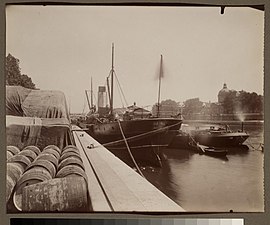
(167, 108)
(14, 76)
(192, 106)
(251, 102)
(243, 102)
(230, 102)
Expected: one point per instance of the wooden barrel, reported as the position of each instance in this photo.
(14, 171)
(70, 148)
(9, 155)
(28, 153)
(52, 151)
(70, 161)
(13, 149)
(53, 147)
(33, 148)
(69, 154)
(45, 164)
(71, 170)
(10, 184)
(42, 197)
(34, 175)
(49, 157)
(22, 159)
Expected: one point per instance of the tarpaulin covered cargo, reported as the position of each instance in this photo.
(25, 131)
(36, 117)
(35, 103)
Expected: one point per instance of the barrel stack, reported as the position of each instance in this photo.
(51, 180)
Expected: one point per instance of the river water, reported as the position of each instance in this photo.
(203, 183)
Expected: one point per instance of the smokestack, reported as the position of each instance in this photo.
(101, 96)
(242, 126)
(102, 100)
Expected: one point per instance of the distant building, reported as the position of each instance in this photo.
(132, 112)
(223, 93)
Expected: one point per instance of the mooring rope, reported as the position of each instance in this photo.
(141, 135)
(133, 137)
(129, 151)
(260, 146)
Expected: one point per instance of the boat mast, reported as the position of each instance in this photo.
(160, 75)
(108, 87)
(91, 91)
(87, 100)
(112, 73)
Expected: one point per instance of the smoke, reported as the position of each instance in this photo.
(239, 111)
(160, 71)
(241, 117)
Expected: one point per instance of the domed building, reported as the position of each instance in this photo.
(223, 93)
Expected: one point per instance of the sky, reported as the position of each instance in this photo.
(62, 47)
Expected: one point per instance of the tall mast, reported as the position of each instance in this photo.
(112, 73)
(91, 91)
(159, 82)
(86, 93)
(109, 92)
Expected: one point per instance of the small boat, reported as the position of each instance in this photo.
(212, 151)
(219, 136)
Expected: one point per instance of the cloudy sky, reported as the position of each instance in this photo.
(62, 47)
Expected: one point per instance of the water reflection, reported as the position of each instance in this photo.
(202, 183)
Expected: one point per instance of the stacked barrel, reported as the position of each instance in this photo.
(17, 162)
(70, 163)
(47, 180)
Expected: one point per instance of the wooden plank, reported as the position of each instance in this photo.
(126, 189)
(98, 199)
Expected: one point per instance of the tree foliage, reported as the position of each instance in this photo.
(14, 76)
(243, 102)
(167, 108)
(193, 105)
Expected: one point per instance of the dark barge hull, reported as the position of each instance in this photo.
(214, 140)
(222, 140)
(145, 137)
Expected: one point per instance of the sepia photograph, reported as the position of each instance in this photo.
(153, 109)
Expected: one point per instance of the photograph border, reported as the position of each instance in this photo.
(249, 218)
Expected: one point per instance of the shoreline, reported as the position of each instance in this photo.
(229, 122)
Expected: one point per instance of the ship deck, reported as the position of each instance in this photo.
(114, 186)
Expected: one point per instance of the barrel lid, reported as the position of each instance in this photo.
(52, 151)
(33, 148)
(20, 159)
(53, 147)
(13, 149)
(70, 161)
(69, 154)
(28, 153)
(49, 166)
(49, 157)
(69, 147)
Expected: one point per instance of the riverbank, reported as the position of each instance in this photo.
(228, 122)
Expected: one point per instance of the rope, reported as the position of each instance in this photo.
(141, 135)
(137, 136)
(121, 98)
(259, 148)
(121, 89)
(129, 151)
(84, 104)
